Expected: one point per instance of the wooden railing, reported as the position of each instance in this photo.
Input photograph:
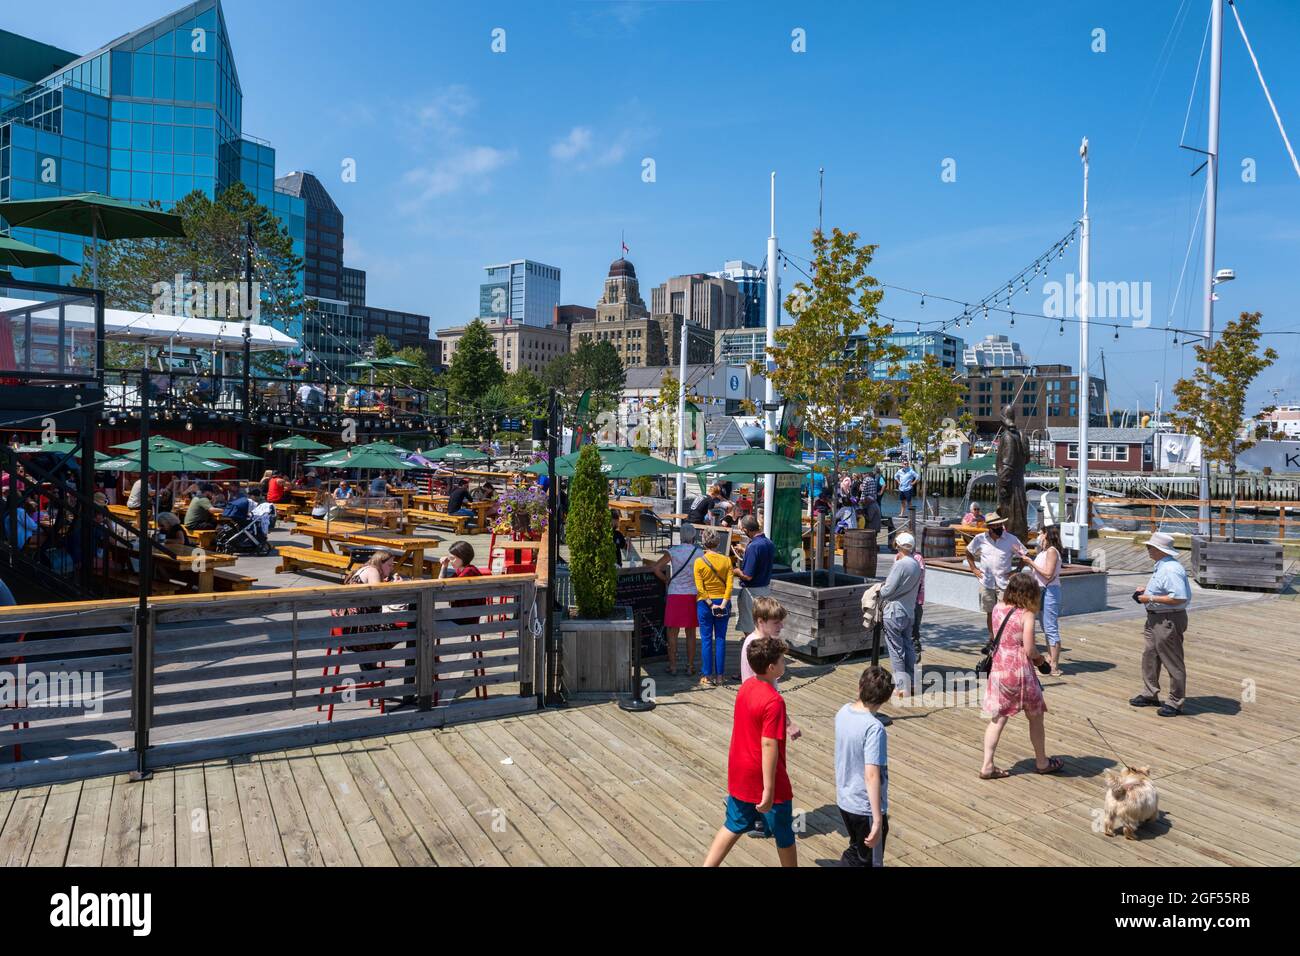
(201, 676)
(1158, 513)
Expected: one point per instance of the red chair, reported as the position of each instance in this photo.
(325, 672)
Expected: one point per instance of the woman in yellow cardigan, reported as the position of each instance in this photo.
(713, 587)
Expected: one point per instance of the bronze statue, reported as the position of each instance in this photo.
(1012, 457)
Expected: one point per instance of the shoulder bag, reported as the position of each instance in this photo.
(985, 665)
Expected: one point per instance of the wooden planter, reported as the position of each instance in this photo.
(825, 620)
(595, 656)
(1253, 565)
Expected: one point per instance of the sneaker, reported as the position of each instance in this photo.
(1143, 701)
(1167, 711)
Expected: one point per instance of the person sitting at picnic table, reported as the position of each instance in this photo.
(309, 480)
(974, 516)
(169, 528)
(199, 515)
(239, 508)
(350, 397)
(822, 504)
(458, 562)
(457, 498)
(320, 507)
(379, 486)
(377, 570)
(277, 489)
(484, 493)
(343, 492)
(361, 398)
(27, 526)
(137, 493)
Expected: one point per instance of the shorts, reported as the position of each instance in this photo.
(906, 496)
(989, 598)
(679, 611)
(779, 821)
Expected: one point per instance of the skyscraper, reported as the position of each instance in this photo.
(751, 281)
(521, 291)
(152, 115)
(709, 301)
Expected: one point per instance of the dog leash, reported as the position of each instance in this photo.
(1123, 762)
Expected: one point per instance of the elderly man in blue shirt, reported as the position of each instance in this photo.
(1166, 596)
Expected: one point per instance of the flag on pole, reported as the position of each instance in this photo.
(625, 249)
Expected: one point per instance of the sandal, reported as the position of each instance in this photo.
(706, 682)
(995, 775)
(1058, 673)
(1054, 765)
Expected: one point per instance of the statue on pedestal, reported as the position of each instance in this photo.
(1012, 457)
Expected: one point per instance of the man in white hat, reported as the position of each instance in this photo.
(899, 597)
(1166, 596)
(995, 551)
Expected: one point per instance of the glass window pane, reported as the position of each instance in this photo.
(164, 77)
(142, 75)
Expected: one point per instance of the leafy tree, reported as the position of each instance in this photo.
(594, 367)
(824, 359)
(643, 484)
(590, 537)
(931, 396)
(212, 253)
(1212, 403)
(527, 394)
(383, 348)
(475, 367)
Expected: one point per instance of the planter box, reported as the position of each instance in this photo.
(824, 620)
(595, 656)
(1253, 565)
(948, 582)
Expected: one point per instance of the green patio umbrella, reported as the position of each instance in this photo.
(164, 460)
(20, 255)
(392, 361)
(455, 453)
(377, 447)
(615, 462)
(94, 215)
(298, 443)
(53, 448)
(220, 452)
(156, 443)
(364, 461)
(755, 461)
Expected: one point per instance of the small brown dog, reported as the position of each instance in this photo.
(1131, 800)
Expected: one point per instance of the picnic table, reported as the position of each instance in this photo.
(432, 502)
(412, 547)
(629, 518)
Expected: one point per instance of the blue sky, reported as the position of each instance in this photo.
(466, 157)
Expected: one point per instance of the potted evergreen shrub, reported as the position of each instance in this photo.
(596, 640)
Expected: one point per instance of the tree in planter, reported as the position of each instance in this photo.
(590, 537)
(824, 359)
(1212, 403)
(932, 395)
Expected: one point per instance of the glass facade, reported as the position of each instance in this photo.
(522, 291)
(153, 116)
(948, 349)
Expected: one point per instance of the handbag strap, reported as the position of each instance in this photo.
(687, 563)
(713, 571)
(993, 648)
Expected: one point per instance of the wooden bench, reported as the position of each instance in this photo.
(223, 579)
(200, 537)
(458, 523)
(304, 559)
(130, 585)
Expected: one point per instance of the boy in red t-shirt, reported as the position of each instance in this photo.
(757, 784)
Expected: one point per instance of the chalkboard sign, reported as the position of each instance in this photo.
(644, 593)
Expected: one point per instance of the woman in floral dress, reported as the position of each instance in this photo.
(1013, 683)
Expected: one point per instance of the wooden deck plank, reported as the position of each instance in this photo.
(55, 833)
(292, 824)
(367, 838)
(261, 833)
(405, 843)
(126, 809)
(328, 831)
(90, 827)
(192, 830)
(226, 828)
(158, 820)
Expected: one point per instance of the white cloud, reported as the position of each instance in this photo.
(465, 169)
(576, 143)
(443, 111)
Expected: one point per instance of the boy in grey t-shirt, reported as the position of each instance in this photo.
(862, 770)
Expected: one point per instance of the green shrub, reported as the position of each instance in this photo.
(591, 538)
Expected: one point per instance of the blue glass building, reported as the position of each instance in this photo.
(522, 292)
(948, 349)
(153, 115)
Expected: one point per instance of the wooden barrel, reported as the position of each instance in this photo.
(938, 541)
(860, 552)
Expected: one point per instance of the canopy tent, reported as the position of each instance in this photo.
(176, 331)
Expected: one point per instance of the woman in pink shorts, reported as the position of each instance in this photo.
(675, 570)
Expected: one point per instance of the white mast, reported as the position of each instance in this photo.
(1211, 202)
(773, 312)
(1085, 308)
(681, 422)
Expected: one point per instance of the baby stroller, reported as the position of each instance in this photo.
(245, 538)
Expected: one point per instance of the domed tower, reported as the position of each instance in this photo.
(622, 296)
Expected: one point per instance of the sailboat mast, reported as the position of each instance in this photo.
(1211, 206)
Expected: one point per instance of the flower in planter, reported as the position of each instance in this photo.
(521, 510)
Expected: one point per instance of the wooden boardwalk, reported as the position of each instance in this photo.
(592, 785)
